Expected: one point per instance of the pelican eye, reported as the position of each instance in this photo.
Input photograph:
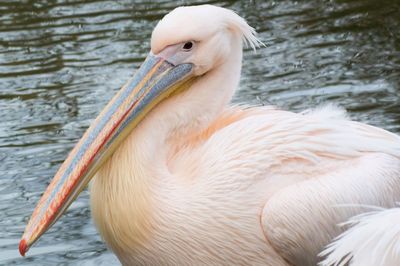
(188, 46)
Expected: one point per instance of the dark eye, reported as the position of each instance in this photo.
(188, 46)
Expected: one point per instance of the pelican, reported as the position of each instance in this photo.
(181, 177)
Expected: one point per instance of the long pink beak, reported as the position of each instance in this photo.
(155, 80)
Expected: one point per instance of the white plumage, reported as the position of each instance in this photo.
(373, 239)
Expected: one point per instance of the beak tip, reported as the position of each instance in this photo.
(23, 247)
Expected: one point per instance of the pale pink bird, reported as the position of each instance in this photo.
(180, 177)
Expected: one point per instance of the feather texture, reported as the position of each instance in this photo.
(372, 239)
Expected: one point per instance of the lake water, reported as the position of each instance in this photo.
(61, 61)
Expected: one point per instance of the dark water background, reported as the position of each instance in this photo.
(62, 60)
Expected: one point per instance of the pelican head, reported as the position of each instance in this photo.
(187, 45)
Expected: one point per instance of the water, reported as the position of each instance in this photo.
(62, 60)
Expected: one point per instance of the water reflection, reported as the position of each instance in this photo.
(61, 61)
